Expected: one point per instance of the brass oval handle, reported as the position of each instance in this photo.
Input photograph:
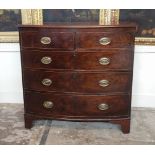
(103, 106)
(48, 104)
(105, 41)
(104, 83)
(46, 60)
(46, 82)
(104, 61)
(45, 40)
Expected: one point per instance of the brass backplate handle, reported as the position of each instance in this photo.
(104, 61)
(46, 60)
(45, 40)
(46, 82)
(105, 41)
(104, 83)
(103, 106)
(48, 104)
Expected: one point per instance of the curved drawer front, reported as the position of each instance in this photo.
(47, 38)
(77, 105)
(107, 59)
(103, 60)
(48, 60)
(82, 82)
(61, 104)
(93, 40)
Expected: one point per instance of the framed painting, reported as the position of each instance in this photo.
(70, 15)
(146, 24)
(10, 18)
(102, 16)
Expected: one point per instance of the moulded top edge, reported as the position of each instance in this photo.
(80, 25)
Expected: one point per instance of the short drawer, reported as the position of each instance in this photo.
(48, 60)
(47, 38)
(120, 59)
(77, 105)
(82, 82)
(93, 40)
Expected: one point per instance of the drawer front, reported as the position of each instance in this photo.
(93, 40)
(48, 80)
(77, 105)
(47, 38)
(48, 103)
(99, 105)
(48, 60)
(103, 82)
(107, 59)
(82, 82)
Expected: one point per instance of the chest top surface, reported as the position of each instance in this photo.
(80, 25)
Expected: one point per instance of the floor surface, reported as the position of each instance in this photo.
(48, 132)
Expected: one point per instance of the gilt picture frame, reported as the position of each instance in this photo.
(28, 16)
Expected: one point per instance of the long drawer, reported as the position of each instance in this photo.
(78, 105)
(119, 59)
(83, 82)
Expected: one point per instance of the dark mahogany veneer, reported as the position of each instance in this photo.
(78, 72)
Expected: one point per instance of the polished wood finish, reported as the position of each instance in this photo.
(77, 72)
(84, 82)
(90, 40)
(120, 59)
(77, 105)
(60, 60)
(60, 41)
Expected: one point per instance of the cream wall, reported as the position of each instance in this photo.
(143, 79)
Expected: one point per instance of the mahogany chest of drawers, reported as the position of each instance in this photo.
(77, 72)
